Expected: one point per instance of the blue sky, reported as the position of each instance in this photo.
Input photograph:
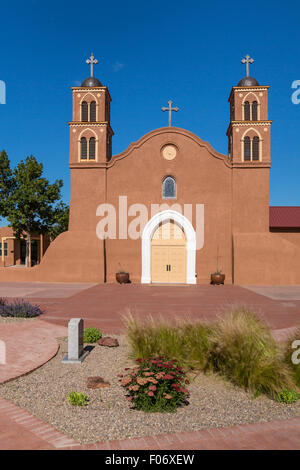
(148, 52)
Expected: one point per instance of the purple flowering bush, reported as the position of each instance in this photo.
(155, 384)
(19, 308)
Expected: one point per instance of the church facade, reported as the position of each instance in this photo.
(171, 209)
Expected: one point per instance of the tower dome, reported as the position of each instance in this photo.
(248, 81)
(91, 82)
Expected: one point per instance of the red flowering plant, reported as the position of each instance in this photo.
(155, 384)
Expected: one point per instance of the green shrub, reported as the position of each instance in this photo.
(156, 385)
(91, 335)
(287, 396)
(288, 352)
(3, 301)
(188, 343)
(78, 399)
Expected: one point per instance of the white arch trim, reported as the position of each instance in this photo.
(251, 93)
(260, 143)
(190, 234)
(88, 150)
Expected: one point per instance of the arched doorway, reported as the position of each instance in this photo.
(168, 253)
(168, 249)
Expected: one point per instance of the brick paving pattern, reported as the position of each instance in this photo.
(103, 306)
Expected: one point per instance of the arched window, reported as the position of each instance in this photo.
(169, 188)
(247, 111)
(93, 111)
(92, 148)
(83, 148)
(247, 149)
(84, 111)
(231, 112)
(254, 111)
(255, 148)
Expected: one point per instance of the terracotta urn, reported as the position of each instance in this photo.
(217, 278)
(122, 278)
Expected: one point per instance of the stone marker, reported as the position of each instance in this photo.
(76, 354)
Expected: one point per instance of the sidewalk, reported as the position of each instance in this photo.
(28, 346)
(20, 430)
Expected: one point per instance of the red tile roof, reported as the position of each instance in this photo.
(285, 217)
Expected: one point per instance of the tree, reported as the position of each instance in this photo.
(61, 220)
(6, 182)
(30, 199)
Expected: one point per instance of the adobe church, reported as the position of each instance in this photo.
(171, 167)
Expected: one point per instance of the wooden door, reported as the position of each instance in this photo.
(177, 264)
(168, 254)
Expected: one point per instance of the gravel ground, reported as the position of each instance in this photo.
(212, 402)
(16, 319)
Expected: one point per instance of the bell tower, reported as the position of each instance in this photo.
(90, 130)
(250, 154)
(90, 150)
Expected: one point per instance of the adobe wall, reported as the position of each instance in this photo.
(71, 257)
(87, 192)
(250, 200)
(265, 259)
(202, 177)
(292, 236)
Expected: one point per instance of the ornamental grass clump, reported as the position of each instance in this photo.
(188, 343)
(20, 309)
(156, 384)
(244, 351)
(292, 355)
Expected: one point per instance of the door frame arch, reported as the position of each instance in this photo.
(190, 234)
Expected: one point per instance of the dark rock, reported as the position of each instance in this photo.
(96, 382)
(109, 342)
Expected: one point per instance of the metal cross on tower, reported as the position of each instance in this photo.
(247, 60)
(92, 61)
(170, 109)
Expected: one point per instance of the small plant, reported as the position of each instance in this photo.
(91, 335)
(156, 384)
(120, 269)
(218, 271)
(20, 308)
(287, 396)
(78, 399)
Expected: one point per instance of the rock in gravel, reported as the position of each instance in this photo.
(96, 382)
(109, 342)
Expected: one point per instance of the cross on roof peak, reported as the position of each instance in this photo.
(247, 60)
(170, 109)
(91, 60)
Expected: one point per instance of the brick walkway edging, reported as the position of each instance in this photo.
(282, 434)
(35, 425)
